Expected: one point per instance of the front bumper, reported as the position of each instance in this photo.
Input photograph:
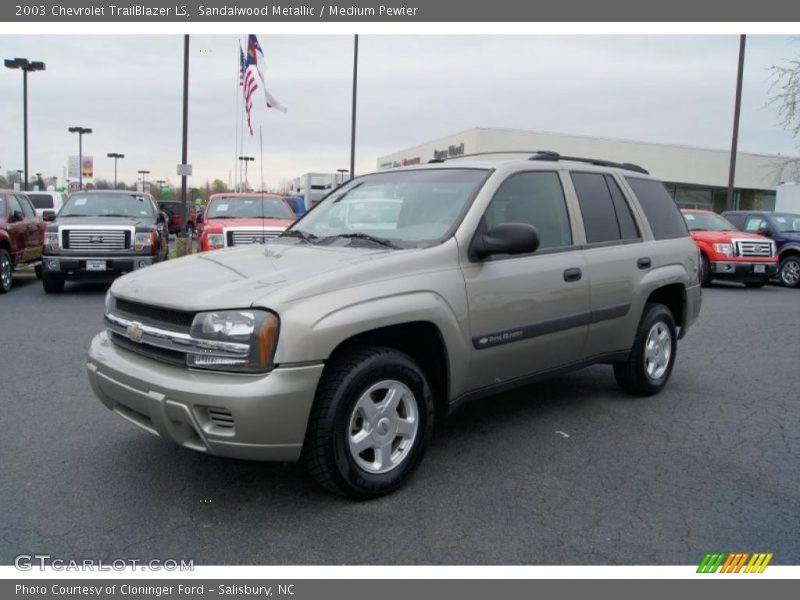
(75, 267)
(256, 417)
(743, 271)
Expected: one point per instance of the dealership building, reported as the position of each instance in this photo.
(695, 177)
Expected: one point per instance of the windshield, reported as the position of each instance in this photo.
(787, 223)
(707, 222)
(107, 205)
(402, 209)
(233, 207)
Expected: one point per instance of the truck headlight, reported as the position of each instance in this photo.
(216, 240)
(109, 302)
(724, 249)
(51, 241)
(144, 240)
(234, 340)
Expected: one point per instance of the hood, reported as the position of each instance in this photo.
(101, 222)
(723, 237)
(255, 223)
(271, 273)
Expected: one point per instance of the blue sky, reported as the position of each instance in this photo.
(671, 89)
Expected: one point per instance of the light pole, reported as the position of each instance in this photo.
(27, 67)
(142, 172)
(246, 160)
(80, 131)
(115, 156)
(342, 171)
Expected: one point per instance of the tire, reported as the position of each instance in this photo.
(756, 284)
(644, 373)
(343, 419)
(789, 271)
(6, 279)
(38, 270)
(52, 284)
(705, 271)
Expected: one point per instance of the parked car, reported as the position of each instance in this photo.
(238, 219)
(784, 229)
(173, 212)
(43, 201)
(342, 345)
(297, 203)
(730, 254)
(101, 234)
(21, 237)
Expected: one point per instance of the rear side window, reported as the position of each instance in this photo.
(606, 215)
(42, 201)
(754, 223)
(659, 208)
(27, 209)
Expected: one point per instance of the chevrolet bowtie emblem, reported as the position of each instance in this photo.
(135, 332)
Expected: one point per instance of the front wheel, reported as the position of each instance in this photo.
(652, 357)
(52, 284)
(705, 271)
(789, 271)
(5, 271)
(371, 423)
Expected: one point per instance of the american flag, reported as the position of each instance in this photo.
(242, 65)
(251, 74)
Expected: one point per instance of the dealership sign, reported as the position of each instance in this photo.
(449, 152)
(86, 166)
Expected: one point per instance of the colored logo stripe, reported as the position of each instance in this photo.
(734, 562)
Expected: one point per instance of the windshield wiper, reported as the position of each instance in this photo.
(75, 215)
(367, 237)
(115, 215)
(303, 235)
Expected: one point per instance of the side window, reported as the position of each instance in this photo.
(606, 215)
(27, 209)
(14, 205)
(536, 198)
(2, 206)
(753, 223)
(660, 209)
(737, 220)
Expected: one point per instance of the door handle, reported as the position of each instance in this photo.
(644, 263)
(574, 274)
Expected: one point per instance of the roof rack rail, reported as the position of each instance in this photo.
(551, 156)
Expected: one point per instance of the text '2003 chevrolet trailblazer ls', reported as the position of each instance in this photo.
(400, 296)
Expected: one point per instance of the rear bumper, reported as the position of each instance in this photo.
(74, 267)
(256, 417)
(743, 271)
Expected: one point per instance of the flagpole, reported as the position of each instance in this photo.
(236, 95)
(261, 146)
(353, 117)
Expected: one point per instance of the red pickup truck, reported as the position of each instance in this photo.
(238, 219)
(727, 253)
(21, 237)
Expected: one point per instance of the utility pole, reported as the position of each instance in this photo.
(27, 67)
(729, 203)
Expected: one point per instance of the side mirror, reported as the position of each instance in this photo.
(162, 217)
(49, 215)
(15, 216)
(506, 238)
(765, 231)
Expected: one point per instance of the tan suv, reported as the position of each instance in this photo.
(400, 296)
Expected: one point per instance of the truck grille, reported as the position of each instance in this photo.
(173, 320)
(96, 240)
(243, 237)
(753, 248)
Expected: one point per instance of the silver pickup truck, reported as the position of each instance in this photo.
(402, 295)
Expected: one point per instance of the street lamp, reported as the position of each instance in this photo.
(27, 67)
(115, 156)
(342, 171)
(142, 172)
(80, 131)
(19, 175)
(246, 160)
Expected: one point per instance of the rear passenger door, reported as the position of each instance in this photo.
(616, 260)
(34, 229)
(528, 313)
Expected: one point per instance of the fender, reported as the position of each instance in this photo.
(790, 247)
(317, 340)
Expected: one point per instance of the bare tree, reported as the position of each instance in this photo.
(785, 90)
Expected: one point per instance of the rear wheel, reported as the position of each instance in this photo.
(371, 422)
(5, 271)
(652, 357)
(52, 284)
(789, 271)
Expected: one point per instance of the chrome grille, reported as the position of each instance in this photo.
(243, 237)
(95, 239)
(753, 248)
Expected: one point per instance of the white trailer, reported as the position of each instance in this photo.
(312, 187)
(787, 198)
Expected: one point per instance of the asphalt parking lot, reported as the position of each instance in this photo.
(570, 471)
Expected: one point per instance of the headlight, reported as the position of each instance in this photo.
(216, 240)
(724, 249)
(234, 340)
(143, 240)
(51, 241)
(109, 302)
